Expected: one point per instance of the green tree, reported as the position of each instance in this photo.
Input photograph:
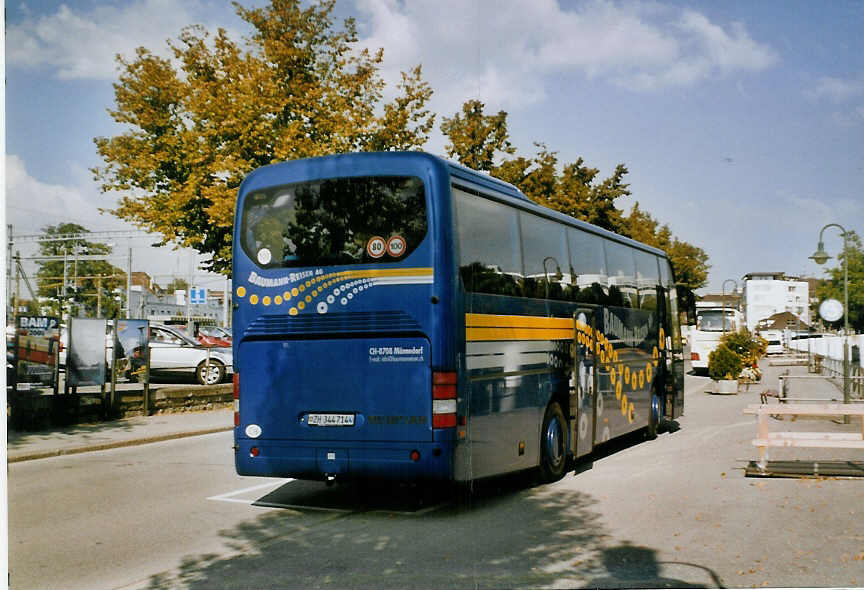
(689, 262)
(91, 282)
(573, 190)
(832, 287)
(298, 87)
(177, 284)
(477, 139)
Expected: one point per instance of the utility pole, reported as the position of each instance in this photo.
(99, 296)
(225, 291)
(74, 305)
(17, 288)
(189, 292)
(8, 262)
(129, 285)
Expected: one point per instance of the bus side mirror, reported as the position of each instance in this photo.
(687, 303)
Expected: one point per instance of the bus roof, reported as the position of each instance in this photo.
(481, 182)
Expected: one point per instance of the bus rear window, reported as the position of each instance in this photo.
(334, 221)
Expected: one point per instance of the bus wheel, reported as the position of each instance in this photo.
(553, 444)
(654, 419)
(211, 377)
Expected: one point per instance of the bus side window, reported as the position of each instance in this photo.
(647, 279)
(544, 249)
(489, 254)
(622, 275)
(590, 283)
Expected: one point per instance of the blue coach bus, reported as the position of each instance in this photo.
(400, 316)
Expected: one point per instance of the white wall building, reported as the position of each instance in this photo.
(767, 293)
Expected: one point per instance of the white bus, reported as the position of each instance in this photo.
(706, 334)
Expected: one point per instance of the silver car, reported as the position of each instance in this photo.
(173, 352)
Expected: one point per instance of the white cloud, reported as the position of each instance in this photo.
(502, 51)
(497, 50)
(844, 93)
(727, 51)
(32, 204)
(82, 44)
(837, 90)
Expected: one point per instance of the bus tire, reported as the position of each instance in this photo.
(214, 376)
(553, 444)
(653, 418)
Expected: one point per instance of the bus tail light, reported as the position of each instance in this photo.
(236, 380)
(444, 386)
(694, 356)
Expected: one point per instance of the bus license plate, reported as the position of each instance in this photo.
(331, 420)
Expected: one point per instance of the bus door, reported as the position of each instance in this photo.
(583, 393)
(673, 350)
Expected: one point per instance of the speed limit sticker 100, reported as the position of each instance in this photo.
(396, 246)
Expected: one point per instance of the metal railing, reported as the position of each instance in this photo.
(784, 386)
(833, 369)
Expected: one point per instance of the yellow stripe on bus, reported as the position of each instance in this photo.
(488, 334)
(484, 320)
(384, 272)
(489, 327)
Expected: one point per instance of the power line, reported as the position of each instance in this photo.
(74, 257)
(87, 236)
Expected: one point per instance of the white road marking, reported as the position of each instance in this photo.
(228, 497)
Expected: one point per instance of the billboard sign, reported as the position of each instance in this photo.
(37, 340)
(131, 339)
(85, 361)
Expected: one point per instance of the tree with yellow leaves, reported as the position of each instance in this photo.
(198, 124)
(478, 140)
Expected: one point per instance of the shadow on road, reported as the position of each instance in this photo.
(630, 566)
(17, 439)
(504, 534)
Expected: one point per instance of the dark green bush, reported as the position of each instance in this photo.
(747, 346)
(723, 363)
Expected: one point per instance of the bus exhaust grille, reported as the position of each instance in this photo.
(333, 323)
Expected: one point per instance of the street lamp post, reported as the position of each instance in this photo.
(821, 257)
(723, 297)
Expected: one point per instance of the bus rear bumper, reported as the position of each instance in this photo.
(318, 461)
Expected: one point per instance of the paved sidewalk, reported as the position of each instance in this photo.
(801, 384)
(97, 436)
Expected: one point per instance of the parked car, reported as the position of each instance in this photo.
(214, 336)
(775, 341)
(172, 352)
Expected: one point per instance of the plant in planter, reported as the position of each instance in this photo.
(749, 349)
(724, 366)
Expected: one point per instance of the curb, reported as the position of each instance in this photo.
(31, 456)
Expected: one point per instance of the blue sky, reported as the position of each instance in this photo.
(742, 123)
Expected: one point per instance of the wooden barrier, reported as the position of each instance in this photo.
(766, 438)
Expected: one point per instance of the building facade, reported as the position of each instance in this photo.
(172, 307)
(768, 293)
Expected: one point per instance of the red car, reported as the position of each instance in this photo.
(214, 336)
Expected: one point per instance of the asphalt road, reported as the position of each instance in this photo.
(677, 511)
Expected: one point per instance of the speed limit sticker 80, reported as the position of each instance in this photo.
(376, 246)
